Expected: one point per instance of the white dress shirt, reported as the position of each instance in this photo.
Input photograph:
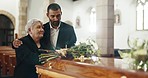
(54, 35)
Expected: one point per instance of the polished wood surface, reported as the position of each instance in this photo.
(6, 48)
(107, 68)
(7, 60)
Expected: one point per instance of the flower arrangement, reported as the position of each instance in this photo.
(138, 52)
(85, 48)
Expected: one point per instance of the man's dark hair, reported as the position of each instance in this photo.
(53, 6)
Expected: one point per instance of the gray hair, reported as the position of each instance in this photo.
(31, 23)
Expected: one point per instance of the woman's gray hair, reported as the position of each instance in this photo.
(31, 23)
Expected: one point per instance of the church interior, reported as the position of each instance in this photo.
(119, 28)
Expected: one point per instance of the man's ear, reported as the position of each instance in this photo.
(47, 14)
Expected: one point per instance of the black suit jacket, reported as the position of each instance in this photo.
(66, 36)
(27, 58)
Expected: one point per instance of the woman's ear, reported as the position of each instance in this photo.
(29, 29)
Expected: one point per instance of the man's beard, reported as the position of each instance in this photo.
(55, 23)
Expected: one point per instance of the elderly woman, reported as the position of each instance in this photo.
(27, 55)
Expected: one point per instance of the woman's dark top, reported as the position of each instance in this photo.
(27, 56)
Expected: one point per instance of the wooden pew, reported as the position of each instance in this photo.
(1, 56)
(12, 65)
(3, 67)
(8, 61)
(6, 48)
(5, 61)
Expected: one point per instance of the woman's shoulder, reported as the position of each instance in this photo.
(27, 42)
(24, 38)
(27, 39)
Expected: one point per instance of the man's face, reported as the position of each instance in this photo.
(54, 17)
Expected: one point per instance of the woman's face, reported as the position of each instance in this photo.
(37, 30)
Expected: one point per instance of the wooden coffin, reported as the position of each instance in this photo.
(72, 69)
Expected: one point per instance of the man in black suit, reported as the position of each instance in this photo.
(57, 33)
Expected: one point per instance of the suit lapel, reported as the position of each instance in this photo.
(60, 33)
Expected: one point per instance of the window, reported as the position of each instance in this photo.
(93, 20)
(142, 15)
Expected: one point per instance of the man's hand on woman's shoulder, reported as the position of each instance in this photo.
(16, 43)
